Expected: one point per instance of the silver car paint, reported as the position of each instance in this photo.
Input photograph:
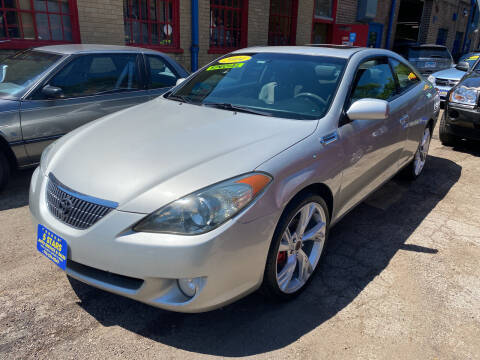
(452, 74)
(148, 163)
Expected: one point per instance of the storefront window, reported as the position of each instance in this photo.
(228, 24)
(153, 23)
(37, 20)
(283, 22)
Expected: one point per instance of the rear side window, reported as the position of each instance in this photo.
(374, 79)
(405, 74)
(161, 75)
(95, 74)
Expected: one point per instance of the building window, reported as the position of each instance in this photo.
(282, 27)
(228, 25)
(152, 23)
(323, 9)
(442, 36)
(26, 23)
(324, 15)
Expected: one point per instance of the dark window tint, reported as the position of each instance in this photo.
(161, 75)
(374, 80)
(95, 74)
(405, 74)
(428, 52)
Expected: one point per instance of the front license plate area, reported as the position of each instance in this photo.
(442, 93)
(52, 246)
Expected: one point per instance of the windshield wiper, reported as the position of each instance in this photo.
(181, 98)
(231, 107)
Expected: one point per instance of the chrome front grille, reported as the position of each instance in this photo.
(75, 209)
(445, 82)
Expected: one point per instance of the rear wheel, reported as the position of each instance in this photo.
(415, 168)
(446, 138)
(4, 171)
(296, 248)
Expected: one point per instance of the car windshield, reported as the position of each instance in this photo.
(20, 71)
(282, 85)
(428, 52)
(470, 58)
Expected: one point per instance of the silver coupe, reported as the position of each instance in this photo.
(231, 181)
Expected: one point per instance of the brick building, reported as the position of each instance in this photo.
(224, 25)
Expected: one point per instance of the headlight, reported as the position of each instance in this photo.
(206, 209)
(431, 78)
(464, 95)
(44, 158)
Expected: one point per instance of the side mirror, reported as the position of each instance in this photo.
(463, 66)
(368, 109)
(52, 92)
(179, 81)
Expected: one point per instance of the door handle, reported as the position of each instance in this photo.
(404, 120)
(328, 139)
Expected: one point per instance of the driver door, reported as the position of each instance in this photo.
(370, 146)
(92, 86)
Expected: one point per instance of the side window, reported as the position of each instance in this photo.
(161, 74)
(374, 79)
(94, 74)
(405, 74)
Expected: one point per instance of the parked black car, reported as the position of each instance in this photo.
(461, 118)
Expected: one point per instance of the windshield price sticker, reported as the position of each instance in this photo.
(52, 246)
(235, 59)
(225, 66)
(474, 57)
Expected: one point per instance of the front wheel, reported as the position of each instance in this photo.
(446, 138)
(296, 248)
(415, 168)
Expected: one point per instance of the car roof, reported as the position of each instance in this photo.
(91, 48)
(318, 50)
(429, 46)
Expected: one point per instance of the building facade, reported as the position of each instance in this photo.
(226, 25)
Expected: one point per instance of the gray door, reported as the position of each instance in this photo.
(161, 76)
(92, 86)
(372, 147)
(413, 99)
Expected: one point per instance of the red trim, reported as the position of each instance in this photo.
(241, 30)
(331, 22)
(18, 41)
(291, 34)
(145, 19)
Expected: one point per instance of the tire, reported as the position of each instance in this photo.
(415, 168)
(283, 278)
(446, 138)
(4, 171)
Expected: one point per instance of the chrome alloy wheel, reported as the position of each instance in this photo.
(422, 152)
(300, 247)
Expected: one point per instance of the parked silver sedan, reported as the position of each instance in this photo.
(231, 181)
(445, 79)
(48, 91)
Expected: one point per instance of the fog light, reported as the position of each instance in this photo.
(188, 286)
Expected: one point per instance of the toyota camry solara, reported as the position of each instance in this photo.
(231, 181)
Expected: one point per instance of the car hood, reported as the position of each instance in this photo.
(449, 74)
(151, 154)
(471, 80)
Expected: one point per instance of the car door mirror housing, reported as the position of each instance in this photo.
(52, 92)
(368, 109)
(179, 81)
(463, 66)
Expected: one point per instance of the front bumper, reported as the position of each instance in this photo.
(462, 122)
(230, 260)
(443, 92)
